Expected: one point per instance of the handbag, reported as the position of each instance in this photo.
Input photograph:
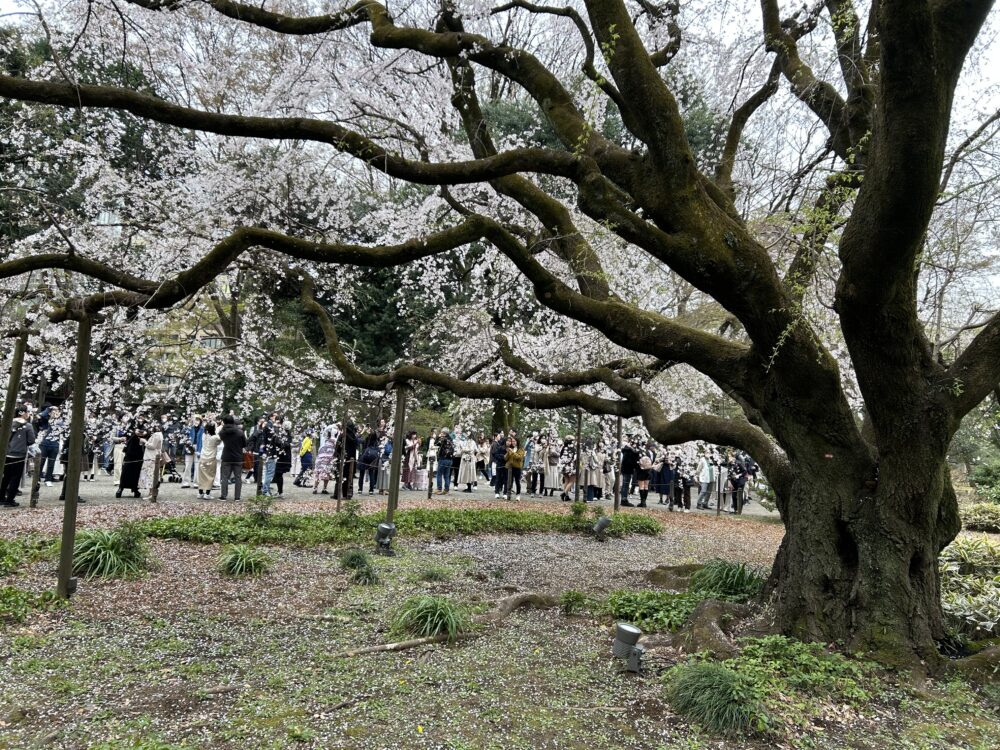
(247, 460)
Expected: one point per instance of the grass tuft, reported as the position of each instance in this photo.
(120, 553)
(716, 697)
(243, 560)
(355, 559)
(366, 575)
(733, 581)
(426, 616)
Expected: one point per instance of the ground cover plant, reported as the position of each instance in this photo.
(982, 517)
(970, 586)
(428, 616)
(119, 553)
(326, 528)
(243, 560)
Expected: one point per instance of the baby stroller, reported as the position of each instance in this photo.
(170, 473)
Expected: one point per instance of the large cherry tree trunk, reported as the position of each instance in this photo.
(858, 564)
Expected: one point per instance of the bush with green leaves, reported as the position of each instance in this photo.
(985, 478)
(243, 560)
(982, 517)
(732, 581)
(652, 611)
(259, 508)
(778, 665)
(970, 586)
(572, 601)
(16, 603)
(11, 556)
(428, 616)
(120, 553)
(716, 697)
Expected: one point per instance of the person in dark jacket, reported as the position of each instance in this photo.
(445, 454)
(233, 443)
(22, 435)
(283, 444)
(630, 465)
(368, 463)
(134, 434)
(348, 438)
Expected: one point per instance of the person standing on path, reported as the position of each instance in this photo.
(445, 454)
(22, 435)
(233, 443)
(206, 461)
(630, 465)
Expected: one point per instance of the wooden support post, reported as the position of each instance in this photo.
(13, 388)
(339, 490)
(66, 584)
(396, 458)
(579, 431)
(618, 467)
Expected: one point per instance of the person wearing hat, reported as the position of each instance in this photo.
(445, 454)
(22, 434)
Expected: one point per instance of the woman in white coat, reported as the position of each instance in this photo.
(467, 469)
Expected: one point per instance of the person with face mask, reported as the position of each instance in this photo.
(192, 445)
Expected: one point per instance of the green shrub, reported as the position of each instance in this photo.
(243, 560)
(259, 509)
(11, 555)
(354, 558)
(16, 604)
(777, 665)
(577, 510)
(733, 581)
(366, 575)
(571, 602)
(652, 611)
(982, 517)
(986, 479)
(426, 616)
(350, 513)
(970, 586)
(110, 554)
(716, 697)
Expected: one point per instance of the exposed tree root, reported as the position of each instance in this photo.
(981, 667)
(500, 611)
(707, 630)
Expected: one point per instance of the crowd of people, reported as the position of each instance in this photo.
(215, 453)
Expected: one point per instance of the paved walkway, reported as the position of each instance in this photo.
(102, 492)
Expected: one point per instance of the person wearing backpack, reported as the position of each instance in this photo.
(445, 455)
(22, 435)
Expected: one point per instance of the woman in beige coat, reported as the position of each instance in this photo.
(207, 461)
